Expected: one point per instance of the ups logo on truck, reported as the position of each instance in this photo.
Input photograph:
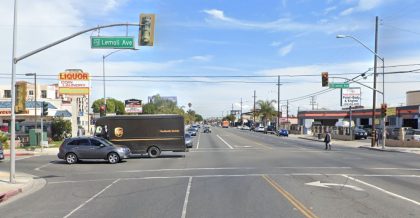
(119, 131)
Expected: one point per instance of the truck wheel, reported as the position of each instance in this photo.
(153, 152)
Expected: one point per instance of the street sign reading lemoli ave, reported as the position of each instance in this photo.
(116, 42)
(339, 85)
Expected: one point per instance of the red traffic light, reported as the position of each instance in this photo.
(102, 108)
(324, 76)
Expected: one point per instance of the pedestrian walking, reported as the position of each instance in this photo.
(378, 137)
(327, 141)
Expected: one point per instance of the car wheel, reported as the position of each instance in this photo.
(113, 158)
(71, 158)
(153, 152)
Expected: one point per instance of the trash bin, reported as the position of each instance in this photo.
(319, 136)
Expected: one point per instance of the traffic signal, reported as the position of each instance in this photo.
(384, 107)
(147, 29)
(324, 76)
(102, 110)
(44, 109)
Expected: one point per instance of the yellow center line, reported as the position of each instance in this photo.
(297, 204)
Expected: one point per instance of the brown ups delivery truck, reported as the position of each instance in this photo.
(143, 134)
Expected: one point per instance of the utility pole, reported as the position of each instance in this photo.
(278, 102)
(374, 84)
(255, 96)
(313, 103)
(383, 102)
(241, 113)
(287, 111)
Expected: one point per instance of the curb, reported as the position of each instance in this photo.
(6, 195)
(31, 186)
(20, 154)
(380, 149)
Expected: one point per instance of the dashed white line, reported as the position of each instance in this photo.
(227, 144)
(383, 190)
(90, 199)
(187, 195)
(198, 140)
(39, 168)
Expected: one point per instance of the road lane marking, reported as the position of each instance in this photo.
(45, 165)
(297, 204)
(382, 190)
(385, 168)
(327, 185)
(187, 195)
(90, 199)
(227, 144)
(198, 140)
(225, 175)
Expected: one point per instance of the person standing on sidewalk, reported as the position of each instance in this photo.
(327, 141)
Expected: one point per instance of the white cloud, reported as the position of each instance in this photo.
(204, 58)
(275, 43)
(329, 9)
(217, 18)
(285, 50)
(362, 5)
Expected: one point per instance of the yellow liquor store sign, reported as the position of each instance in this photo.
(74, 83)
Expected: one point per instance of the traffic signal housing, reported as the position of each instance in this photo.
(384, 107)
(44, 109)
(102, 110)
(147, 30)
(324, 76)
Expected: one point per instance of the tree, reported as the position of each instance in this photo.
(267, 110)
(60, 128)
(112, 106)
(198, 118)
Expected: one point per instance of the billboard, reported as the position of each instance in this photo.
(351, 97)
(21, 92)
(133, 106)
(74, 83)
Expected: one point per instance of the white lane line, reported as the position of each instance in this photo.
(198, 140)
(90, 199)
(385, 168)
(45, 165)
(383, 190)
(227, 144)
(187, 195)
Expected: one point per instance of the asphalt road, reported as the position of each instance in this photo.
(228, 173)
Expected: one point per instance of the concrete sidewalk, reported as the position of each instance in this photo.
(359, 144)
(24, 152)
(25, 184)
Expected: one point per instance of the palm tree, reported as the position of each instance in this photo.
(267, 110)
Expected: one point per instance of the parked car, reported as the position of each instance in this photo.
(192, 131)
(283, 132)
(188, 141)
(413, 135)
(1, 152)
(360, 134)
(270, 129)
(245, 128)
(77, 148)
(207, 129)
(260, 129)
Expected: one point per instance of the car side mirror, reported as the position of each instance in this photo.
(102, 145)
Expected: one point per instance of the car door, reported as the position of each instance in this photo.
(84, 149)
(100, 149)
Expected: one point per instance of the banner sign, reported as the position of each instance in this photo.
(133, 106)
(351, 97)
(74, 83)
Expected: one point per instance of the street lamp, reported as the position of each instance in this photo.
(374, 92)
(103, 71)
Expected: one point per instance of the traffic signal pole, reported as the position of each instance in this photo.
(374, 84)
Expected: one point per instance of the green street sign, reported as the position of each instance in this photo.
(117, 42)
(339, 85)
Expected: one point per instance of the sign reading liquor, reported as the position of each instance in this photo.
(133, 106)
(74, 83)
(351, 97)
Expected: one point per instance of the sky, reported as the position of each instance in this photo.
(236, 39)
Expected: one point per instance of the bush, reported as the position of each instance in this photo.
(60, 128)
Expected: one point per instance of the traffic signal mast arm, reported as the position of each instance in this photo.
(352, 80)
(17, 59)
